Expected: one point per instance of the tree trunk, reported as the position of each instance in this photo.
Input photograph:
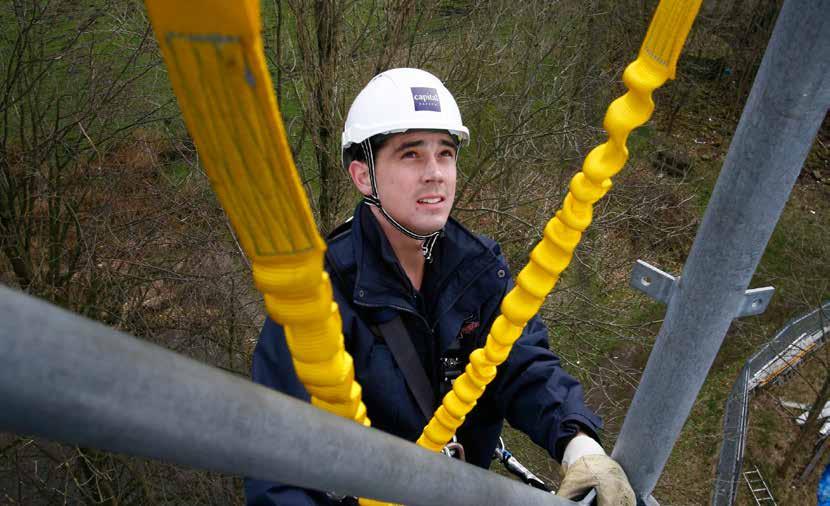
(318, 46)
(791, 464)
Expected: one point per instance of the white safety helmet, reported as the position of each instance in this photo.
(396, 101)
(399, 100)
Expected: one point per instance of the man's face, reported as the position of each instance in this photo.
(415, 175)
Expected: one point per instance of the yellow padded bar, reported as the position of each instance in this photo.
(214, 55)
(655, 64)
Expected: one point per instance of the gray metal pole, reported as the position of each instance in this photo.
(787, 103)
(77, 381)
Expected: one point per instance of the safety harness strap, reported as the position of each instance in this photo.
(397, 338)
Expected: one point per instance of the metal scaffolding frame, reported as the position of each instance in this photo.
(812, 326)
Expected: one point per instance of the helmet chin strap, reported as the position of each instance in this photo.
(429, 240)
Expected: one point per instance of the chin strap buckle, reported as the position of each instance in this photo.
(428, 244)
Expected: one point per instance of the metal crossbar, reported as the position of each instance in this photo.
(70, 379)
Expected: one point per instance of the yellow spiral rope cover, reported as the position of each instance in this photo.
(655, 64)
(214, 54)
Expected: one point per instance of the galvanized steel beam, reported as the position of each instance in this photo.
(786, 106)
(73, 380)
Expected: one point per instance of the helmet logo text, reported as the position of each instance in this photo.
(426, 99)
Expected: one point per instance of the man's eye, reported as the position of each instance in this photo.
(449, 153)
(409, 154)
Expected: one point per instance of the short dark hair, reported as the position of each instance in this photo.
(356, 151)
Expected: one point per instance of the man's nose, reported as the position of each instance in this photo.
(434, 171)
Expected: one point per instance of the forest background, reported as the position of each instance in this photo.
(105, 208)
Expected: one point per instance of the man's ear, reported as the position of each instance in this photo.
(359, 172)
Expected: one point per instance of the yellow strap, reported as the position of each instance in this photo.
(213, 51)
(654, 65)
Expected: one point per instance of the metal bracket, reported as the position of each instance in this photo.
(653, 282)
(755, 301)
(661, 286)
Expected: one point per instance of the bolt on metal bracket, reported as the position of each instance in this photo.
(661, 286)
(653, 282)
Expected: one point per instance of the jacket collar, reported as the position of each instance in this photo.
(380, 281)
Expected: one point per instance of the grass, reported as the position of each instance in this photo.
(176, 173)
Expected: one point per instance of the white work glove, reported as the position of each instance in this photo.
(585, 466)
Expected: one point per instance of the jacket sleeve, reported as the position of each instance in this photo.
(272, 367)
(536, 395)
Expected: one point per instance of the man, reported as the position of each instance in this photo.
(403, 259)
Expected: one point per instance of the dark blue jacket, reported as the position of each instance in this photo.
(458, 301)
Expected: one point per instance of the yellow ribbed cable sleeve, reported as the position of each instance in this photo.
(214, 55)
(655, 64)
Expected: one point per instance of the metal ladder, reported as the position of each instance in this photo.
(759, 488)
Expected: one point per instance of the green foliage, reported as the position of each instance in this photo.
(640, 141)
(176, 173)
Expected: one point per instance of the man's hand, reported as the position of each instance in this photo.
(586, 466)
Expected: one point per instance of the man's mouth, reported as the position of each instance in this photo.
(430, 200)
